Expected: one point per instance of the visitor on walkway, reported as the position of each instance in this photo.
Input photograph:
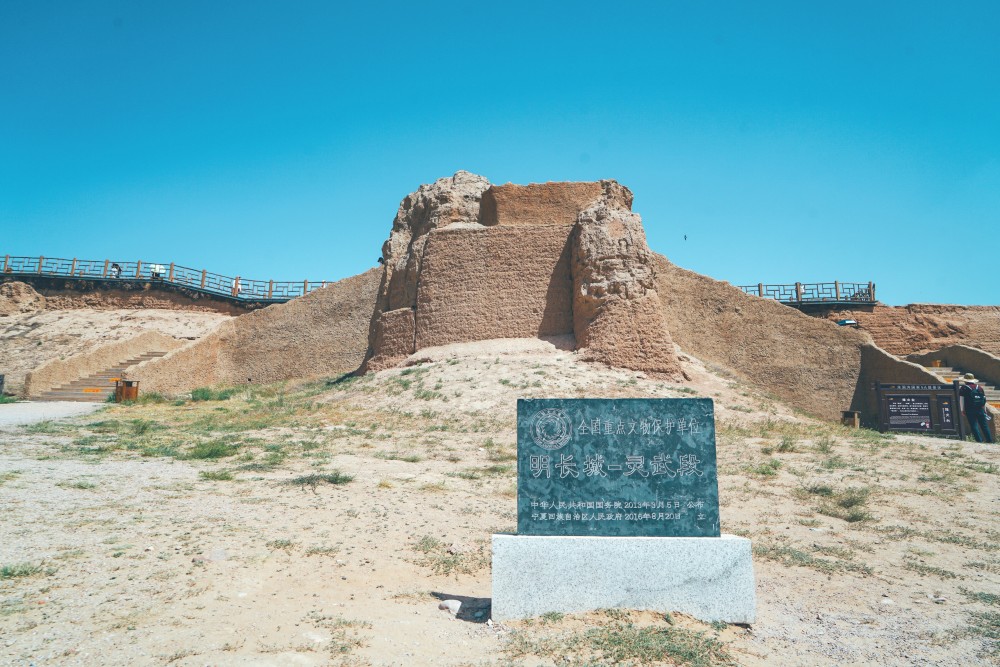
(974, 403)
(116, 270)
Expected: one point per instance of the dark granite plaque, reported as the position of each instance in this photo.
(617, 467)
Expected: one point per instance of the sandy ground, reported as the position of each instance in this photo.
(147, 560)
(29, 339)
(30, 412)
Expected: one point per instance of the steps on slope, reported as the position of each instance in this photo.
(949, 374)
(97, 387)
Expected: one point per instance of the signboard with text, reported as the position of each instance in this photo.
(617, 467)
(920, 408)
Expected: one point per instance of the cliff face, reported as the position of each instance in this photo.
(920, 327)
(469, 261)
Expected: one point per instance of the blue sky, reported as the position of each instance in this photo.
(788, 141)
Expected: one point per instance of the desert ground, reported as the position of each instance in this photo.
(325, 523)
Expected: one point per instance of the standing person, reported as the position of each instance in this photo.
(974, 403)
(116, 270)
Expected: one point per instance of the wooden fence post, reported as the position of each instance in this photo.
(105, 274)
(204, 274)
(41, 260)
(836, 289)
(798, 292)
(760, 289)
(305, 287)
(270, 289)
(72, 269)
(171, 278)
(871, 291)
(6, 264)
(138, 268)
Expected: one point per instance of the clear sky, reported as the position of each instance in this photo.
(789, 141)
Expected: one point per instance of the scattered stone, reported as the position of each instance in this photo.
(451, 606)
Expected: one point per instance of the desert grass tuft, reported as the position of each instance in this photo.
(209, 394)
(446, 560)
(216, 475)
(213, 449)
(619, 642)
(18, 570)
(312, 481)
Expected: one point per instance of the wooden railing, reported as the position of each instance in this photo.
(815, 293)
(200, 280)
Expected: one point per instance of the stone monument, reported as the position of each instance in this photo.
(618, 506)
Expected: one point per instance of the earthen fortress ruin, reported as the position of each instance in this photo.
(470, 261)
(569, 263)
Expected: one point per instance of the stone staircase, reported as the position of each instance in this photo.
(948, 374)
(97, 387)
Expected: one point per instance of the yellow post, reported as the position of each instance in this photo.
(105, 274)
(204, 274)
(138, 268)
(41, 260)
(171, 278)
(270, 289)
(836, 289)
(6, 264)
(72, 269)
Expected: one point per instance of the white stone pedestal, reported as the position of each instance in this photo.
(710, 578)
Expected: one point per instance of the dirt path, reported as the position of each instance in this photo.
(28, 412)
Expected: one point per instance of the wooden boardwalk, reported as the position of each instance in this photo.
(231, 288)
(816, 294)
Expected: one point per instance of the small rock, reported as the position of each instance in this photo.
(886, 601)
(451, 606)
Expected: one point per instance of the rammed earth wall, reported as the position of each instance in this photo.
(495, 282)
(469, 261)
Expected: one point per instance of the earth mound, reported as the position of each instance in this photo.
(320, 334)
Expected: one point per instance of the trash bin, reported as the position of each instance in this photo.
(126, 390)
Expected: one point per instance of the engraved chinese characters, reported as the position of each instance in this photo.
(617, 467)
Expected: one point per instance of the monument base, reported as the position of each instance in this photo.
(709, 578)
